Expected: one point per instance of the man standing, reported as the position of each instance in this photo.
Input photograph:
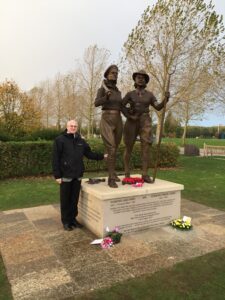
(135, 106)
(68, 167)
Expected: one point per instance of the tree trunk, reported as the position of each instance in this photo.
(158, 128)
(187, 105)
(184, 133)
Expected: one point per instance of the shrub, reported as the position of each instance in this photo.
(35, 158)
(25, 158)
(48, 134)
(191, 150)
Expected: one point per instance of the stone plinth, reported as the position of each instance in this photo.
(130, 208)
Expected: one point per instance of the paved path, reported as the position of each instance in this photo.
(45, 262)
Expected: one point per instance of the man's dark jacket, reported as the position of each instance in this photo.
(68, 152)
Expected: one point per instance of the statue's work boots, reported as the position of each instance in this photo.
(127, 175)
(112, 183)
(117, 179)
(147, 179)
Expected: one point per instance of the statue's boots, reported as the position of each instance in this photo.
(117, 179)
(111, 168)
(145, 162)
(126, 160)
(112, 183)
(147, 179)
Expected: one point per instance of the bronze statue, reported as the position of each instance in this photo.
(109, 97)
(135, 107)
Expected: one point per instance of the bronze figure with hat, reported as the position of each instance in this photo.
(135, 107)
(109, 98)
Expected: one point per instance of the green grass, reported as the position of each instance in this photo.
(30, 191)
(203, 179)
(198, 278)
(5, 290)
(27, 192)
(197, 142)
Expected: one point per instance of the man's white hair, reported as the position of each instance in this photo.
(71, 121)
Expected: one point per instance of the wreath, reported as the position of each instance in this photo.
(182, 223)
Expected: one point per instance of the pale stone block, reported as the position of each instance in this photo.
(130, 208)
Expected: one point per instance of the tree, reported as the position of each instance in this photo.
(57, 91)
(176, 36)
(196, 100)
(18, 112)
(90, 72)
(43, 97)
(218, 92)
(171, 124)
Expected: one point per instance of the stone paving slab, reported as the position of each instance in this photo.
(45, 262)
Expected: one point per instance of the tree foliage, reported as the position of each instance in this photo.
(171, 124)
(72, 95)
(90, 72)
(184, 37)
(18, 112)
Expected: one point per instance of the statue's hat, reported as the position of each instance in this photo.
(141, 72)
(108, 69)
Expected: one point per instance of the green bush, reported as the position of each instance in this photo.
(25, 158)
(35, 158)
(48, 134)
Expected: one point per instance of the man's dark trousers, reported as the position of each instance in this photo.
(69, 196)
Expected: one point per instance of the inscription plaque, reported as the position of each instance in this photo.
(132, 209)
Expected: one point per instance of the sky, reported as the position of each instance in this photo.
(39, 38)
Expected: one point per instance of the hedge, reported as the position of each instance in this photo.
(35, 158)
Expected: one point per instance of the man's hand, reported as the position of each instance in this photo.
(59, 180)
(105, 156)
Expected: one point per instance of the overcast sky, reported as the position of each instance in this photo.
(39, 38)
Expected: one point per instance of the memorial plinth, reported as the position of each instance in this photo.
(130, 208)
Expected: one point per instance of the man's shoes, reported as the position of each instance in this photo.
(76, 224)
(67, 227)
(147, 179)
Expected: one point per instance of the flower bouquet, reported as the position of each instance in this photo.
(112, 237)
(115, 235)
(106, 243)
(132, 180)
(182, 223)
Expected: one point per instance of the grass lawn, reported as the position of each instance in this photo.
(203, 179)
(198, 142)
(27, 192)
(5, 291)
(200, 278)
(30, 191)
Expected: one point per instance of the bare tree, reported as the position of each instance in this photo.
(218, 92)
(90, 72)
(71, 107)
(170, 37)
(43, 97)
(57, 91)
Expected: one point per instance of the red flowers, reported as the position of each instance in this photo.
(132, 180)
